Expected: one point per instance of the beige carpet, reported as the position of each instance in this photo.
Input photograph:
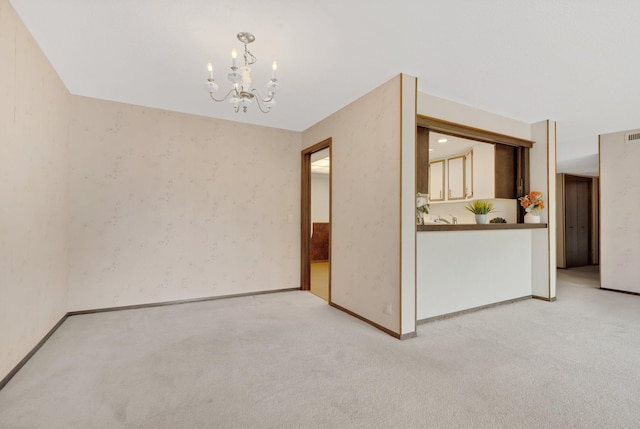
(320, 279)
(289, 360)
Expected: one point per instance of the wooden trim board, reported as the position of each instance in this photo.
(33, 351)
(471, 133)
(305, 213)
(364, 319)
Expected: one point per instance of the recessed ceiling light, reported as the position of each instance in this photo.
(442, 141)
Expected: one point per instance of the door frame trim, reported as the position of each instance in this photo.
(305, 213)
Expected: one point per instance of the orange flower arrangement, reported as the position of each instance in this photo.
(532, 202)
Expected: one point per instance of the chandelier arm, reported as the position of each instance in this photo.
(260, 107)
(260, 100)
(223, 98)
(264, 100)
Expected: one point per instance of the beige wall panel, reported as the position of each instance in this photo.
(542, 164)
(168, 206)
(34, 117)
(408, 231)
(365, 167)
(436, 107)
(619, 208)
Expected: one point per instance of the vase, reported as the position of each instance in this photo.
(531, 218)
(481, 219)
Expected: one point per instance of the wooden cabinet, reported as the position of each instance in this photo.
(455, 178)
(436, 181)
(320, 242)
(422, 161)
(462, 177)
(468, 175)
(486, 171)
(506, 175)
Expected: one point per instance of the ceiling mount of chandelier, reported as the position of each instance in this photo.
(241, 95)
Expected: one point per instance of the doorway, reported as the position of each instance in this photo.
(578, 245)
(315, 267)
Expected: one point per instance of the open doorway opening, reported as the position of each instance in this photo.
(578, 225)
(316, 220)
(578, 221)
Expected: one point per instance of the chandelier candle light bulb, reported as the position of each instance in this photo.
(241, 95)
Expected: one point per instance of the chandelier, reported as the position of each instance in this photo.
(241, 95)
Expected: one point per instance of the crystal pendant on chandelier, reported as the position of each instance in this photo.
(241, 95)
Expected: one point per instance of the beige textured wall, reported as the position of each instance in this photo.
(34, 116)
(619, 205)
(409, 86)
(441, 108)
(168, 206)
(542, 164)
(365, 248)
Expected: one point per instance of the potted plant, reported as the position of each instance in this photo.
(422, 207)
(532, 204)
(480, 208)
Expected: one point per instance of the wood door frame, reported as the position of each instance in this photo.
(305, 214)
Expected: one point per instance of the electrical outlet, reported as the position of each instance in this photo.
(290, 218)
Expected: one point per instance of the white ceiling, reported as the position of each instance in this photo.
(569, 60)
(452, 146)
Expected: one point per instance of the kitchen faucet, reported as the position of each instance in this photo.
(454, 220)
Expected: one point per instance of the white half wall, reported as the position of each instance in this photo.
(459, 270)
(34, 118)
(167, 206)
(619, 207)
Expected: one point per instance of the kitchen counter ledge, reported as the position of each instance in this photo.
(476, 227)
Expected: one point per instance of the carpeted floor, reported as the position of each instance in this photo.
(289, 360)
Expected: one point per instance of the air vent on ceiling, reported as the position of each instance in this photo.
(633, 136)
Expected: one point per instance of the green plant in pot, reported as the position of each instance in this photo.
(480, 208)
